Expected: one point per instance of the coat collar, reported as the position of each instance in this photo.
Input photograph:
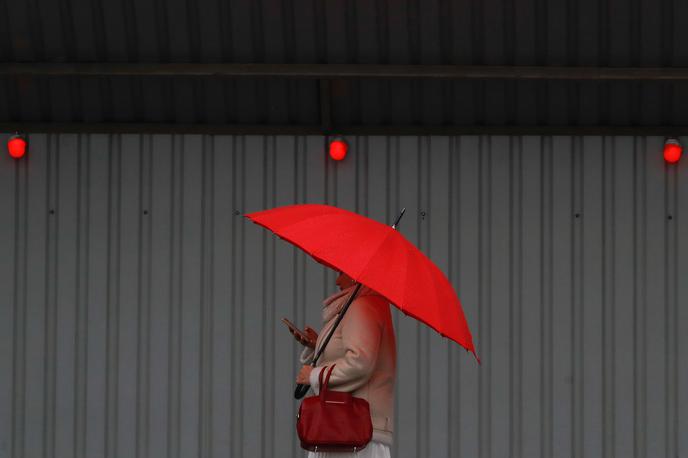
(336, 301)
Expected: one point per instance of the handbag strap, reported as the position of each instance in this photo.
(323, 386)
(320, 376)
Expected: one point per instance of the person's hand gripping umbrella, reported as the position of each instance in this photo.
(377, 256)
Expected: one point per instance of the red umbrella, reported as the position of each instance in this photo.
(377, 256)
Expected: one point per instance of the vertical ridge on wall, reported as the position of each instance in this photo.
(578, 307)
(207, 285)
(681, 232)
(268, 300)
(233, 424)
(659, 300)
(608, 315)
(671, 363)
(112, 288)
(452, 368)
(81, 298)
(145, 265)
(639, 299)
(13, 312)
(468, 264)
(483, 315)
(50, 301)
(516, 361)
(172, 285)
(140, 309)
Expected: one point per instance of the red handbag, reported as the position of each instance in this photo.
(334, 421)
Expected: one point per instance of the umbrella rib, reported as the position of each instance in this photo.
(438, 318)
(406, 273)
(293, 223)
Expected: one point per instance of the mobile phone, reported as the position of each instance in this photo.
(294, 328)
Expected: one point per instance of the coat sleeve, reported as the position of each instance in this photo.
(362, 328)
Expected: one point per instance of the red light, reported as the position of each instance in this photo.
(672, 151)
(338, 149)
(16, 146)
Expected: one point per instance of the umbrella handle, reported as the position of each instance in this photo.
(300, 391)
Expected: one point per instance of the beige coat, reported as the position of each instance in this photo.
(363, 347)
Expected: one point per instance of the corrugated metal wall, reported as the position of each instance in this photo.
(140, 312)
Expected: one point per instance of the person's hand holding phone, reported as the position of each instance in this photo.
(307, 338)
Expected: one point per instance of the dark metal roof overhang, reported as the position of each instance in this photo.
(373, 66)
(323, 75)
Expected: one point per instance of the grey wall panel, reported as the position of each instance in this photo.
(140, 312)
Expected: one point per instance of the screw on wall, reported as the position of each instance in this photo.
(237, 213)
(670, 217)
(422, 215)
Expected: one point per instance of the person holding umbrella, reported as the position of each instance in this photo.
(363, 352)
(378, 266)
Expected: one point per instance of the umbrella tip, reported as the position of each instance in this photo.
(396, 223)
(476, 356)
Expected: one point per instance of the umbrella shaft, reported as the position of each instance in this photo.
(336, 323)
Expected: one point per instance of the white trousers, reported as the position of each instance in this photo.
(373, 450)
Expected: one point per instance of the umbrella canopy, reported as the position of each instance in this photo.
(377, 256)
